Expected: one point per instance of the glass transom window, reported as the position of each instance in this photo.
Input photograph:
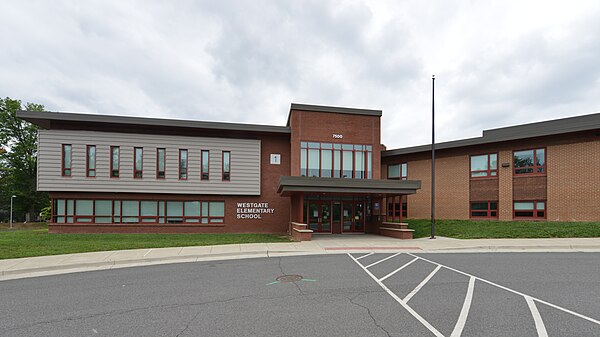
(336, 160)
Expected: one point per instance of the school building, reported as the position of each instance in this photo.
(325, 171)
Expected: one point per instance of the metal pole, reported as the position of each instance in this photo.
(433, 157)
(11, 211)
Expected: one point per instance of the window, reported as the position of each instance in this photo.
(529, 209)
(183, 164)
(130, 210)
(103, 211)
(90, 163)
(204, 165)
(336, 160)
(226, 165)
(160, 163)
(66, 160)
(84, 211)
(484, 209)
(148, 211)
(114, 161)
(485, 165)
(213, 212)
(138, 162)
(398, 171)
(530, 162)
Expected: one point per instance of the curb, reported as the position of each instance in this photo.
(277, 253)
(141, 262)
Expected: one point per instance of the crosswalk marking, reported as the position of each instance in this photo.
(537, 318)
(401, 302)
(464, 312)
(384, 259)
(397, 270)
(424, 282)
(360, 257)
(513, 291)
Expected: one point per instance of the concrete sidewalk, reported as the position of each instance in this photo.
(321, 244)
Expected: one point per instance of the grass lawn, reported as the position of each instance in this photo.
(468, 229)
(25, 241)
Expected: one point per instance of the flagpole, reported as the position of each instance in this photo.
(433, 157)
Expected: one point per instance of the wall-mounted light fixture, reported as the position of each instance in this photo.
(505, 164)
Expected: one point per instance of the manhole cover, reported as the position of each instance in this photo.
(289, 278)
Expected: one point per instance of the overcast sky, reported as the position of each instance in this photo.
(497, 63)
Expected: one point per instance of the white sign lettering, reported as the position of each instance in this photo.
(253, 210)
(338, 136)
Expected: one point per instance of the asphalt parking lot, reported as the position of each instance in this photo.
(364, 294)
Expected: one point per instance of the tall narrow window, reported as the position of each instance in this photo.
(114, 161)
(91, 161)
(404, 171)
(160, 163)
(183, 164)
(66, 160)
(347, 158)
(204, 165)
(226, 165)
(138, 162)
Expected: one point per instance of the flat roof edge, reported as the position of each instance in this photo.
(560, 126)
(335, 109)
(35, 116)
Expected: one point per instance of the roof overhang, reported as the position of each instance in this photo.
(48, 120)
(292, 185)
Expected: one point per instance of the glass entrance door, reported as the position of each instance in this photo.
(353, 217)
(319, 216)
(359, 216)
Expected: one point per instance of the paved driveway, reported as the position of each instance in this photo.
(491, 294)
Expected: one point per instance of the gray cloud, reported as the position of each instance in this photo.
(245, 61)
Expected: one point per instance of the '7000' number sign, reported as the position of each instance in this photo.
(338, 136)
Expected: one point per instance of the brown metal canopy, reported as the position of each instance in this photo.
(292, 185)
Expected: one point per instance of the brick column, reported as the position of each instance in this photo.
(505, 186)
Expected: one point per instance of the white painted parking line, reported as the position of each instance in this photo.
(513, 291)
(385, 259)
(360, 257)
(397, 270)
(539, 323)
(401, 302)
(464, 312)
(417, 288)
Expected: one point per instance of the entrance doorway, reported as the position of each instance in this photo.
(354, 217)
(319, 216)
(335, 215)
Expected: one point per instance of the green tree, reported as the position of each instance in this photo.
(18, 161)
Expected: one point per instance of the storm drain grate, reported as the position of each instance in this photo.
(289, 278)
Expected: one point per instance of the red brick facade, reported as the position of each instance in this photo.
(570, 187)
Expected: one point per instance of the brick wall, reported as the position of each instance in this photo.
(320, 127)
(574, 182)
(452, 188)
(571, 186)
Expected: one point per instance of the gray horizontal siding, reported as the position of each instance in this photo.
(245, 163)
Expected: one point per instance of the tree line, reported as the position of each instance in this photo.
(18, 163)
